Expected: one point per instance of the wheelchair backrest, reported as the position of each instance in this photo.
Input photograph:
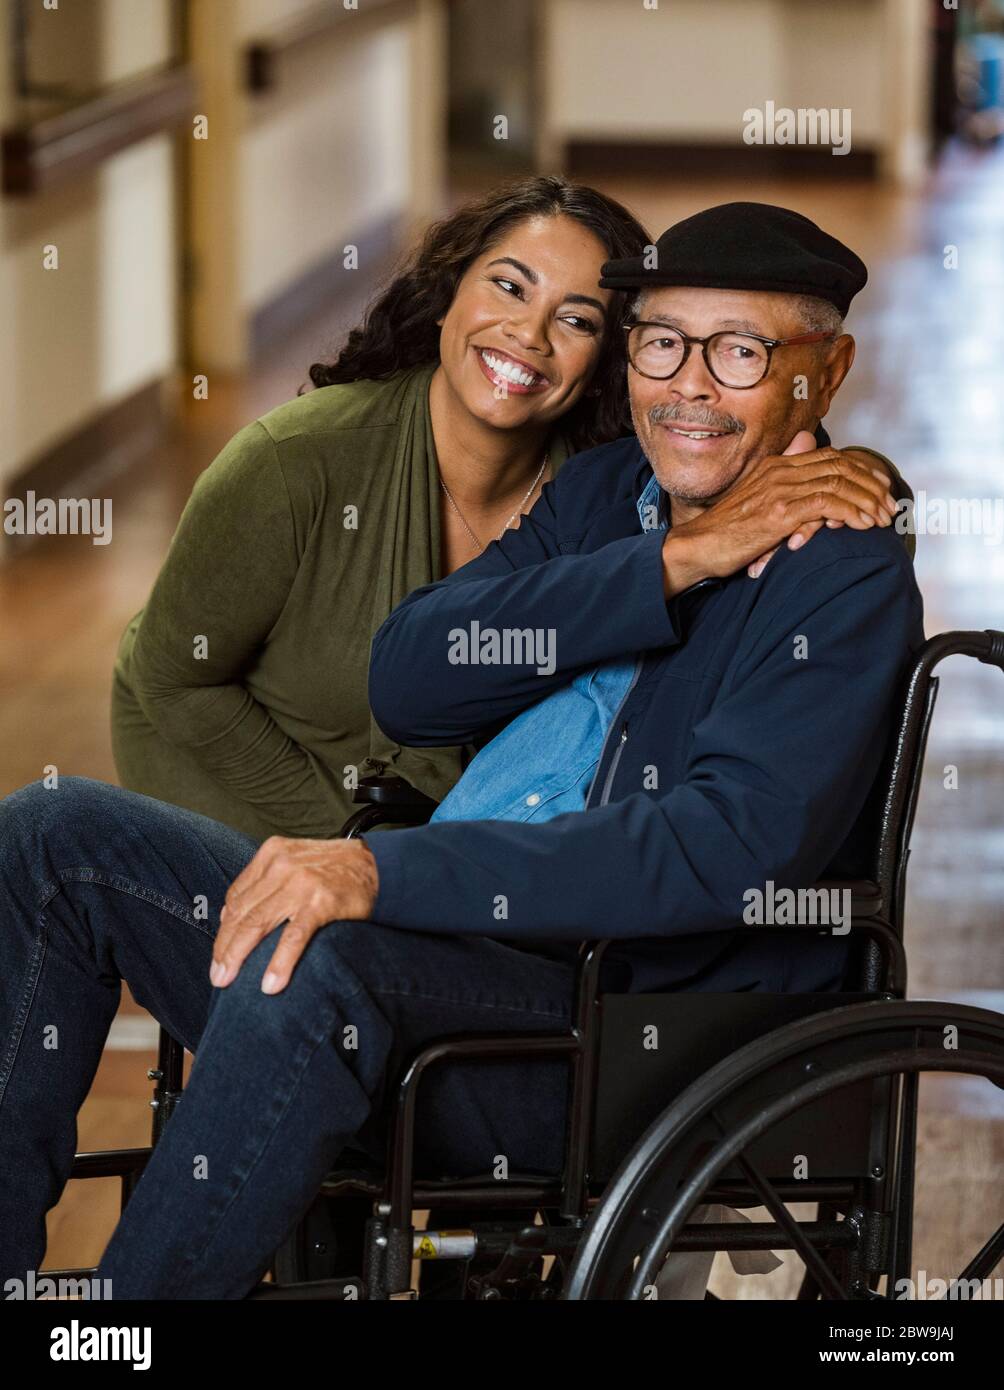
(898, 784)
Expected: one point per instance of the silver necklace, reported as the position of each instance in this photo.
(516, 512)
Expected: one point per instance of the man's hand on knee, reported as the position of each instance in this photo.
(303, 884)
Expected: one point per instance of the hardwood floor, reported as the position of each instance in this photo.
(925, 389)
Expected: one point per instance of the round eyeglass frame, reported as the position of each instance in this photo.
(769, 343)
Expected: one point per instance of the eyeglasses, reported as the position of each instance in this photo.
(736, 360)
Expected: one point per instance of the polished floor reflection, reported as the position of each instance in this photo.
(926, 389)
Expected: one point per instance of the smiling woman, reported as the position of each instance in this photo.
(519, 343)
(488, 360)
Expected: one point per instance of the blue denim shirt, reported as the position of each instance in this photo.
(543, 763)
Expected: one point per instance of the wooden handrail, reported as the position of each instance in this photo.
(262, 54)
(51, 150)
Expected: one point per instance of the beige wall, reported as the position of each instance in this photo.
(688, 70)
(326, 157)
(352, 134)
(81, 337)
(135, 35)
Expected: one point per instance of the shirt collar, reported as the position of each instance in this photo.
(652, 510)
(653, 513)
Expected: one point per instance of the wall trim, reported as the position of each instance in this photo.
(54, 149)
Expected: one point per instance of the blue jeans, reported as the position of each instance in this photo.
(100, 885)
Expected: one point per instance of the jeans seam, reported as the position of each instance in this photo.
(121, 884)
(21, 1018)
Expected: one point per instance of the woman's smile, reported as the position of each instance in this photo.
(502, 369)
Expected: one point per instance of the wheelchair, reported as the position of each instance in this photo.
(739, 1087)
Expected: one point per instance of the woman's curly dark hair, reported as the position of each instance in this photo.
(400, 331)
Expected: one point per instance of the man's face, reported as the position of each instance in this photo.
(741, 426)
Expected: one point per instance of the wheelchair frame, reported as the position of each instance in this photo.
(873, 1238)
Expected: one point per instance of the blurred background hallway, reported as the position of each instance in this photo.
(331, 128)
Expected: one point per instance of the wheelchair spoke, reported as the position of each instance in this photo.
(814, 1262)
(816, 1267)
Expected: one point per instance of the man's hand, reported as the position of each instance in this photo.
(302, 883)
(784, 496)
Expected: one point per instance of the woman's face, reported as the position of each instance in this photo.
(523, 335)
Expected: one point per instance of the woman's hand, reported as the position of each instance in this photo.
(302, 883)
(805, 443)
(780, 497)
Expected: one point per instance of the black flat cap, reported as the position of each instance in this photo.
(746, 246)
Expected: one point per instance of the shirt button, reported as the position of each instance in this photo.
(533, 799)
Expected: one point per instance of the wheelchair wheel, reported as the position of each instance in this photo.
(713, 1125)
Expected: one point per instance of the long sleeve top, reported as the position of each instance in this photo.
(239, 690)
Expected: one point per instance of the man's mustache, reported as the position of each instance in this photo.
(676, 414)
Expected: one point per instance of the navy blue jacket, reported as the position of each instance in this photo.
(763, 705)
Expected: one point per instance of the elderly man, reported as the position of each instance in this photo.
(678, 702)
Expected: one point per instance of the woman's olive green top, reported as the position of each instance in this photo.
(240, 690)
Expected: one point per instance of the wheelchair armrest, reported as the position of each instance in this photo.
(866, 906)
(387, 801)
(392, 791)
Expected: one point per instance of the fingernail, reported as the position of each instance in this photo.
(756, 569)
(269, 983)
(217, 971)
(796, 541)
(868, 520)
